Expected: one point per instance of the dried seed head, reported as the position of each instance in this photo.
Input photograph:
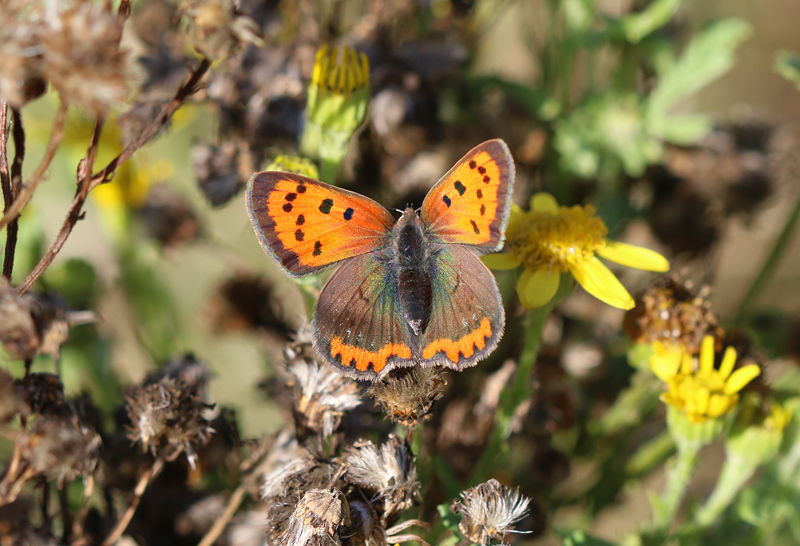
(318, 520)
(407, 394)
(167, 415)
(20, 56)
(489, 511)
(217, 30)
(17, 329)
(321, 395)
(81, 55)
(44, 393)
(168, 217)
(219, 169)
(286, 487)
(12, 398)
(51, 315)
(674, 312)
(387, 473)
(243, 302)
(62, 449)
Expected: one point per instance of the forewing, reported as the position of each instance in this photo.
(467, 317)
(358, 321)
(306, 224)
(471, 203)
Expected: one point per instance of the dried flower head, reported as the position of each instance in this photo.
(285, 487)
(81, 55)
(246, 301)
(220, 169)
(489, 511)
(60, 448)
(673, 312)
(44, 393)
(387, 473)
(12, 398)
(167, 415)
(318, 520)
(321, 395)
(407, 394)
(17, 329)
(168, 217)
(20, 56)
(217, 30)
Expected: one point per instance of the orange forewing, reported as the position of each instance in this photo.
(306, 225)
(471, 203)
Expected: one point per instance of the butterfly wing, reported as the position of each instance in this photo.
(358, 320)
(306, 225)
(467, 317)
(471, 203)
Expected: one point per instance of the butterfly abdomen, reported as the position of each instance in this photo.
(412, 262)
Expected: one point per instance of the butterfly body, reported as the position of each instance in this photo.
(410, 292)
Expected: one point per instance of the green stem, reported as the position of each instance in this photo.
(651, 454)
(771, 263)
(735, 472)
(678, 479)
(520, 391)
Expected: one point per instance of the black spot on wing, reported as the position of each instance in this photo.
(317, 248)
(348, 214)
(447, 201)
(299, 235)
(325, 206)
(287, 207)
(290, 196)
(459, 187)
(474, 226)
(300, 220)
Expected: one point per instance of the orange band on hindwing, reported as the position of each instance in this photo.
(362, 360)
(464, 346)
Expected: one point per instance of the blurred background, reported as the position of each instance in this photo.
(677, 120)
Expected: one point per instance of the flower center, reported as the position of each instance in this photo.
(556, 240)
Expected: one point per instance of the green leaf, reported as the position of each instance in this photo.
(449, 519)
(708, 56)
(683, 130)
(576, 537)
(787, 64)
(638, 25)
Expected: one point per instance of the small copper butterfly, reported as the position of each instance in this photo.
(408, 292)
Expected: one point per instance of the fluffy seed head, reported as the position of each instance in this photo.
(489, 510)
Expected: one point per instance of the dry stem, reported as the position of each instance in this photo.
(27, 191)
(222, 521)
(144, 481)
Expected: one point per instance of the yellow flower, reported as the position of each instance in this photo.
(294, 164)
(339, 91)
(550, 240)
(701, 392)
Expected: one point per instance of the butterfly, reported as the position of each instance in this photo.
(410, 292)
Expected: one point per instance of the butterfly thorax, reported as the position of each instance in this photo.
(411, 258)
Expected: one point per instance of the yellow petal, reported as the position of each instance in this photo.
(701, 399)
(665, 361)
(544, 202)
(541, 287)
(686, 364)
(522, 287)
(741, 377)
(719, 404)
(501, 261)
(634, 256)
(601, 283)
(728, 361)
(707, 355)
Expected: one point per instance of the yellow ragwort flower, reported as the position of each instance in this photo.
(339, 91)
(550, 240)
(700, 391)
